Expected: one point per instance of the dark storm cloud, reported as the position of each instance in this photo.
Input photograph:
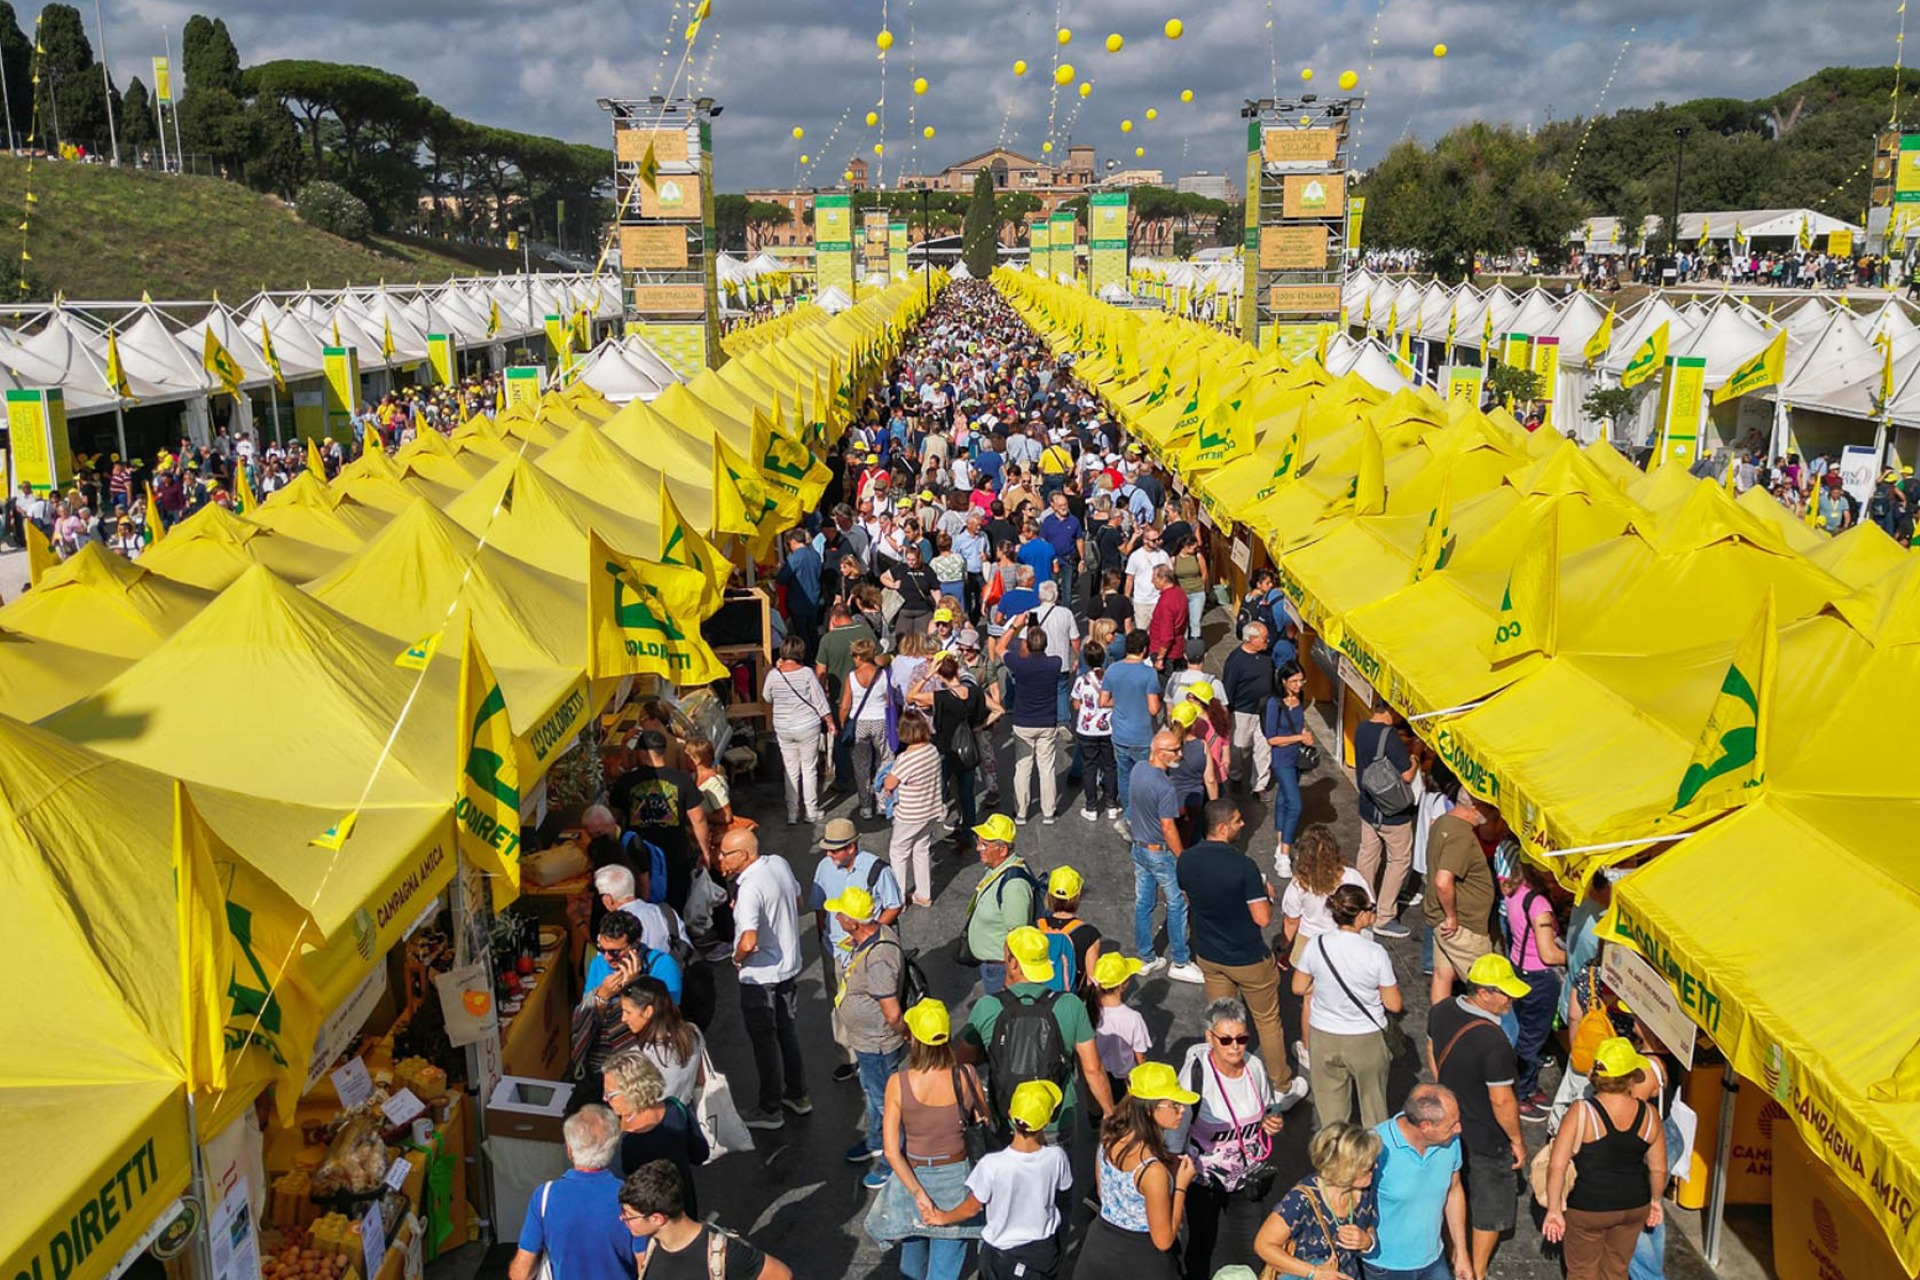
(539, 67)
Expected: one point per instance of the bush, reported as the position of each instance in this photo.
(331, 207)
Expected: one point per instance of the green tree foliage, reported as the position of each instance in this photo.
(137, 129)
(332, 208)
(72, 99)
(208, 59)
(1611, 404)
(980, 233)
(16, 66)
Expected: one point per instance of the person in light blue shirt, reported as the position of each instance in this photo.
(1132, 689)
(843, 863)
(1417, 1183)
(617, 938)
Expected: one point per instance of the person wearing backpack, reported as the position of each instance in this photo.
(1005, 899)
(1032, 1032)
(1534, 947)
(1073, 944)
(867, 1014)
(684, 1248)
(1386, 814)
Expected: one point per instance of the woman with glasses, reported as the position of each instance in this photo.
(1143, 1188)
(653, 1126)
(1229, 1136)
(1328, 1221)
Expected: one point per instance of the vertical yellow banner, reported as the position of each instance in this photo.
(342, 382)
(37, 425)
(1464, 383)
(1515, 350)
(1686, 386)
(1356, 208)
(440, 356)
(1546, 363)
(523, 385)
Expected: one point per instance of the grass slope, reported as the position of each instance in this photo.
(101, 233)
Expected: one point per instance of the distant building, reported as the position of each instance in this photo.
(1214, 186)
(1122, 178)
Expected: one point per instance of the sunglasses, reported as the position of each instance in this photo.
(1232, 1039)
(613, 952)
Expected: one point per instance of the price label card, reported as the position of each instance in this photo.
(373, 1239)
(397, 1173)
(402, 1107)
(353, 1084)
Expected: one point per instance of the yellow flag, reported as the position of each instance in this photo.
(1436, 544)
(685, 546)
(1225, 434)
(243, 500)
(315, 466)
(40, 553)
(1885, 343)
(242, 982)
(417, 656)
(699, 16)
(1763, 370)
(1403, 351)
(650, 169)
(493, 317)
(1806, 233)
(155, 528)
(1601, 341)
(643, 618)
(116, 372)
(220, 364)
(1530, 608)
(273, 361)
(487, 805)
(1731, 755)
(386, 338)
(335, 837)
(1648, 360)
(370, 439)
(1486, 332)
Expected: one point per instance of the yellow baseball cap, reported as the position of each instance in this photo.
(1200, 691)
(1186, 713)
(943, 615)
(1159, 1082)
(929, 1022)
(1497, 972)
(999, 828)
(1033, 1104)
(1028, 946)
(853, 902)
(1112, 969)
(1065, 882)
(1617, 1057)
(926, 495)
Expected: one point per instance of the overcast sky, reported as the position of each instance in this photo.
(811, 63)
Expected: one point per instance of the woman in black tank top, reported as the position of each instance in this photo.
(1617, 1150)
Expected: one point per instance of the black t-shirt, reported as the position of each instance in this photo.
(1248, 678)
(1219, 882)
(1175, 536)
(918, 588)
(655, 803)
(1118, 607)
(1366, 741)
(1000, 531)
(1109, 537)
(676, 1139)
(744, 1261)
(1481, 1057)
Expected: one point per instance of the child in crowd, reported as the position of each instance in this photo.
(1018, 1188)
(1120, 1033)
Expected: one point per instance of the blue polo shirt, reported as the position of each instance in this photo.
(829, 880)
(1412, 1190)
(660, 965)
(580, 1228)
(1130, 683)
(1037, 555)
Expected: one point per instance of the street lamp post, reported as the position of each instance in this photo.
(1680, 133)
(926, 238)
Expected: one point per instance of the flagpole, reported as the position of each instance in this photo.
(120, 427)
(273, 391)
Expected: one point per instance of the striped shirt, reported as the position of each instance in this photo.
(918, 797)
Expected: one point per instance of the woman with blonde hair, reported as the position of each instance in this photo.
(930, 1101)
(1618, 1147)
(1323, 1226)
(866, 698)
(653, 1126)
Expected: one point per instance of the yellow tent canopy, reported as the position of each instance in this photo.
(687, 465)
(588, 463)
(313, 512)
(99, 601)
(38, 677)
(543, 522)
(212, 547)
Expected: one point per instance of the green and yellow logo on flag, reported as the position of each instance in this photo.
(273, 361)
(650, 169)
(220, 364)
(1601, 341)
(1730, 759)
(1225, 434)
(243, 500)
(1436, 542)
(155, 527)
(1763, 370)
(419, 655)
(1530, 607)
(1648, 360)
(116, 372)
(335, 837)
(684, 546)
(644, 619)
(241, 979)
(487, 806)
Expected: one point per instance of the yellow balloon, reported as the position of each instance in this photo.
(1306, 73)
(1152, 114)
(798, 133)
(1186, 95)
(920, 85)
(879, 148)
(1440, 51)
(873, 118)
(1047, 147)
(1174, 28)
(1139, 151)
(1114, 43)
(1020, 67)
(927, 132)
(1086, 88)
(1063, 74)
(1126, 126)
(884, 40)
(1064, 36)
(1348, 79)
(846, 175)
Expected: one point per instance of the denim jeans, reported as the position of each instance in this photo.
(1196, 606)
(1125, 756)
(1287, 806)
(875, 1070)
(1649, 1260)
(768, 1014)
(924, 1259)
(1152, 875)
(960, 783)
(1435, 1270)
(993, 976)
(1535, 1011)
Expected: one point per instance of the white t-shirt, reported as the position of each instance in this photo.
(679, 1078)
(659, 925)
(1057, 621)
(1122, 1034)
(1090, 719)
(1140, 567)
(1364, 965)
(768, 905)
(1018, 1188)
(1311, 908)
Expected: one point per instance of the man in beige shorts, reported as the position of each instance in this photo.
(1461, 894)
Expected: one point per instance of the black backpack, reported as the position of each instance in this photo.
(1026, 1045)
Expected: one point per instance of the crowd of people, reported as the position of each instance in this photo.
(1816, 490)
(994, 620)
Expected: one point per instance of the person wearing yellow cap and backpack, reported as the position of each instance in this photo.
(1072, 943)
(1031, 1032)
(1019, 1189)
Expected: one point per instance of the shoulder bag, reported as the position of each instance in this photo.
(714, 1109)
(1381, 782)
(977, 1132)
(847, 730)
(1390, 1031)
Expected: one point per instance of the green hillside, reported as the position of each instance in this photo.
(103, 233)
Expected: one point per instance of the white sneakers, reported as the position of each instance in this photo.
(1300, 1055)
(1189, 973)
(1153, 966)
(1290, 1096)
(1283, 866)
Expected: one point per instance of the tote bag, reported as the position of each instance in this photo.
(719, 1118)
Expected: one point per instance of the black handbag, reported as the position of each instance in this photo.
(979, 1136)
(1308, 759)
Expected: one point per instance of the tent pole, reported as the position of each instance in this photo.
(274, 392)
(197, 1187)
(1712, 1225)
(120, 429)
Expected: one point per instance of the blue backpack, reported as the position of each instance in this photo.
(656, 863)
